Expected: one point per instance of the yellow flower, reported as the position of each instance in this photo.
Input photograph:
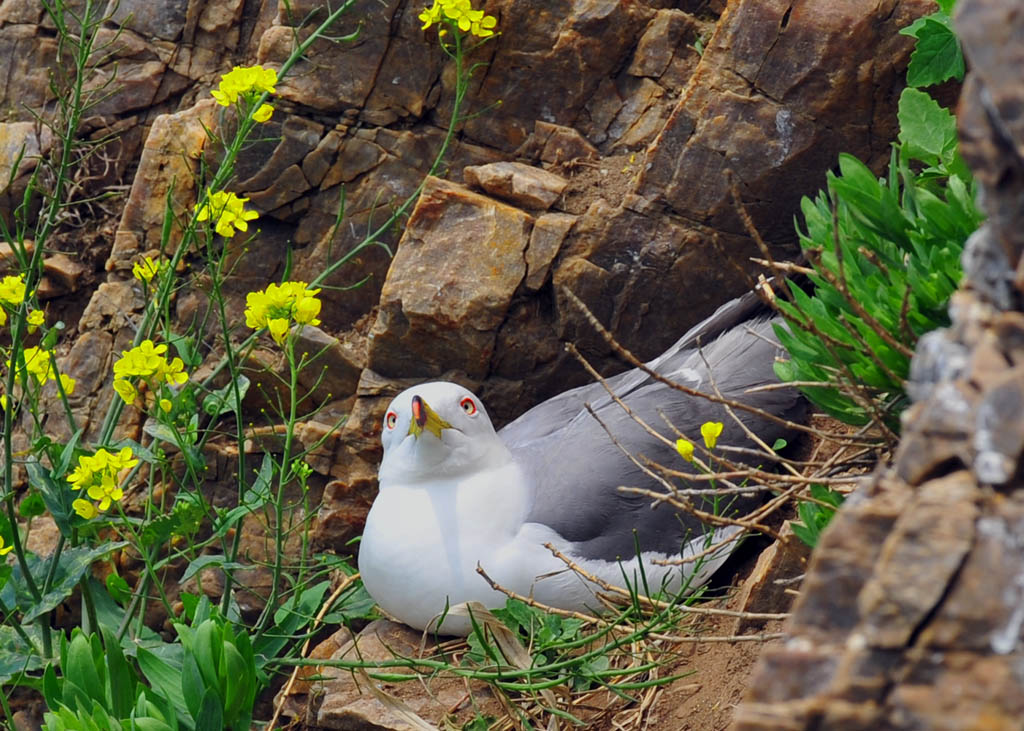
(276, 307)
(84, 508)
(242, 81)
(4, 550)
(685, 449)
(146, 269)
(229, 211)
(711, 430)
(105, 491)
(148, 362)
(166, 405)
(35, 320)
(38, 365)
(12, 294)
(100, 475)
(67, 383)
(174, 372)
(461, 13)
(263, 113)
(125, 390)
(12, 289)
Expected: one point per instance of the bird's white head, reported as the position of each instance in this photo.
(437, 429)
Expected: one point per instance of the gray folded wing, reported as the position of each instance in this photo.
(575, 467)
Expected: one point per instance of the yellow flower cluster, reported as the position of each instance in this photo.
(40, 367)
(276, 307)
(100, 476)
(229, 211)
(242, 81)
(461, 13)
(148, 362)
(709, 430)
(12, 294)
(4, 550)
(147, 269)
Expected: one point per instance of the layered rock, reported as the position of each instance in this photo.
(621, 132)
(912, 613)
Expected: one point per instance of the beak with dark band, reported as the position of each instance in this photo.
(425, 418)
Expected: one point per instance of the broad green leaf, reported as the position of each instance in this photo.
(927, 130)
(16, 656)
(81, 668)
(57, 495)
(32, 505)
(937, 55)
(210, 715)
(165, 680)
(74, 563)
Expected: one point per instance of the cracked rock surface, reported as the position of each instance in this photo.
(912, 612)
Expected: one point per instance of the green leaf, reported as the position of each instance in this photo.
(123, 683)
(211, 561)
(210, 715)
(16, 656)
(118, 588)
(32, 505)
(57, 495)
(162, 432)
(82, 670)
(927, 130)
(222, 401)
(193, 687)
(937, 57)
(73, 564)
(165, 679)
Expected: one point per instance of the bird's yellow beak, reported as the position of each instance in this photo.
(425, 418)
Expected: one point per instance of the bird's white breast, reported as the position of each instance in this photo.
(424, 539)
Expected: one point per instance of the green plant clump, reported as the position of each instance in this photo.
(884, 254)
(126, 506)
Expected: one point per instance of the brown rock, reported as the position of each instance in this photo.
(766, 589)
(918, 561)
(779, 89)
(26, 57)
(297, 138)
(555, 144)
(331, 368)
(347, 704)
(169, 166)
(333, 76)
(640, 117)
(63, 273)
(164, 20)
(21, 144)
(549, 231)
(316, 164)
(553, 65)
(661, 41)
(523, 185)
(450, 284)
(111, 307)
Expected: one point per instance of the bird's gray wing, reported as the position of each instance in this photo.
(557, 411)
(575, 467)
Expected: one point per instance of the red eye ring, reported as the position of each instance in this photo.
(390, 420)
(468, 406)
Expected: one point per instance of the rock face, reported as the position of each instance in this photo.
(622, 131)
(912, 613)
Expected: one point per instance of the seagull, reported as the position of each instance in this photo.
(456, 494)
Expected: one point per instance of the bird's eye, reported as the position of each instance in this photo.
(390, 420)
(468, 406)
